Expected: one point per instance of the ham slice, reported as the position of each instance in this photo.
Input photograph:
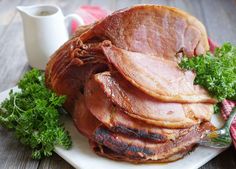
(117, 120)
(84, 121)
(108, 153)
(153, 30)
(71, 81)
(157, 77)
(144, 107)
(141, 151)
(71, 66)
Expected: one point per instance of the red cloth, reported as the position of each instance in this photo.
(212, 45)
(227, 106)
(89, 14)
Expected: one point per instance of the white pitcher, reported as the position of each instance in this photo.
(45, 30)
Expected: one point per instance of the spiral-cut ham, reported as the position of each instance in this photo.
(124, 88)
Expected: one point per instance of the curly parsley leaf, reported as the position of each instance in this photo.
(216, 73)
(32, 113)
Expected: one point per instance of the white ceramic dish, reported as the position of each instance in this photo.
(82, 157)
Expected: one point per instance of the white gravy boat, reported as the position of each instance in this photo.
(45, 30)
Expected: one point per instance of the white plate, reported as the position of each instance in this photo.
(81, 156)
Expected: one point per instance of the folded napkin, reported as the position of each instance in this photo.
(226, 108)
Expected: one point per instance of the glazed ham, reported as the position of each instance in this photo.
(125, 90)
(153, 30)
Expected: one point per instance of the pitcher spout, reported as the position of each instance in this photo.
(23, 10)
(38, 10)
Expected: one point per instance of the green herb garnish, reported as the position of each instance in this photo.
(32, 113)
(217, 108)
(216, 73)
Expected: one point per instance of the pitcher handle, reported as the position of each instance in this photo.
(72, 21)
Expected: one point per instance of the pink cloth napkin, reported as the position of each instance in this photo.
(89, 14)
(226, 105)
(212, 45)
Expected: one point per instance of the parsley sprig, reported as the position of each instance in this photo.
(215, 72)
(32, 113)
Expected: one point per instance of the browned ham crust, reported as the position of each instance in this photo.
(106, 152)
(141, 151)
(125, 91)
(152, 29)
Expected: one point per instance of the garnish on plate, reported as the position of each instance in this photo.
(215, 72)
(32, 113)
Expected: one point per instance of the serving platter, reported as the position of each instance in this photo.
(82, 157)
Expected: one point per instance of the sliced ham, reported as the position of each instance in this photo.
(144, 107)
(84, 121)
(117, 120)
(131, 149)
(108, 153)
(71, 66)
(158, 77)
(124, 88)
(72, 54)
(142, 151)
(152, 29)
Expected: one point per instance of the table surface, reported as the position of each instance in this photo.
(219, 17)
